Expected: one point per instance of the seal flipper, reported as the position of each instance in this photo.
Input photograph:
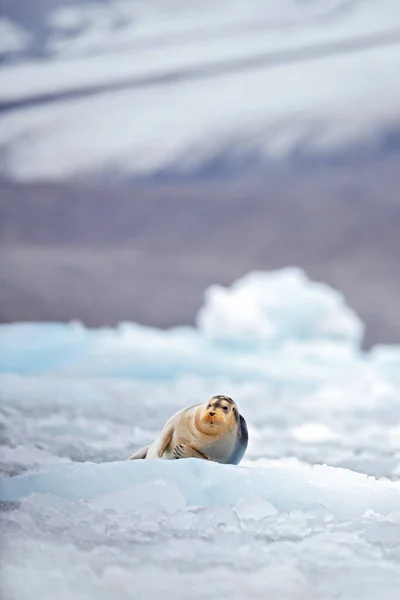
(241, 443)
(142, 453)
(165, 438)
(183, 450)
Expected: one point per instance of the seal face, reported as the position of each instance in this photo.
(213, 431)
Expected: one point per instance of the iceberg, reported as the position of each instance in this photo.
(312, 511)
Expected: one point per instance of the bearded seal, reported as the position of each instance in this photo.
(213, 431)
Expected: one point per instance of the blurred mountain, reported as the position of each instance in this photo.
(146, 251)
(148, 149)
(119, 90)
(52, 26)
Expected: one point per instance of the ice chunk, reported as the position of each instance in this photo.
(21, 457)
(217, 517)
(159, 493)
(269, 307)
(255, 508)
(201, 483)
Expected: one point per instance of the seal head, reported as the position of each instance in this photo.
(219, 412)
(220, 415)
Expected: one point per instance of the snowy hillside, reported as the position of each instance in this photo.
(142, 89)
(311, 512)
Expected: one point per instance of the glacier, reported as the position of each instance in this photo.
(176, 90)
(312, 511)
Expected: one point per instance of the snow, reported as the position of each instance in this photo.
(184, 118)
(192, 528)
(12, 37)
(312, 511)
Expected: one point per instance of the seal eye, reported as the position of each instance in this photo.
(225, 408)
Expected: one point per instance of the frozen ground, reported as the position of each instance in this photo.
(313, 511)
(142, 89)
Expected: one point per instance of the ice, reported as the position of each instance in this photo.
(302, 487)
(157, 493)
(25, 457)
(194, 523)
(255, 508)
(262, 314)
(312, 511)
(268, 308)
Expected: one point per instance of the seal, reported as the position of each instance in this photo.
(213, 431)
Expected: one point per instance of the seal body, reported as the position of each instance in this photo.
(213, 431)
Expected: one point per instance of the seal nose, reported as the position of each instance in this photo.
(211, 414)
